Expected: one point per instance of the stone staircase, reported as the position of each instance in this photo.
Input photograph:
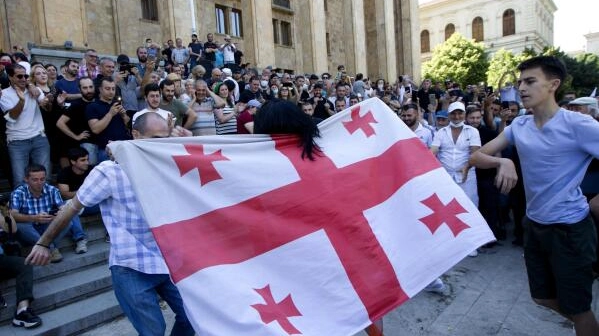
(72, 296)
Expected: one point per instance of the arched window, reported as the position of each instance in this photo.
(478, 31)
(425, 42)
(509, 22)
(449, 30)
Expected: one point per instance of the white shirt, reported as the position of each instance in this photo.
(454, 156)
(228, 53)
(163, 113)
(29, 124)
(425, 135)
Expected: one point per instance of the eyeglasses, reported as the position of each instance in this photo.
(21, 76)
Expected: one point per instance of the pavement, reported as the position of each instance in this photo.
(485, 295)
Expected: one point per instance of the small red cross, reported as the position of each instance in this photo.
(444, 213)
(360, 122)
(280, 312)
(203, 162)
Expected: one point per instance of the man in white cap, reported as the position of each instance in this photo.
(585, 105)
(228, 78)
(453, 146)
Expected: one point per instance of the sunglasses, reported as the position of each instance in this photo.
(21, 76)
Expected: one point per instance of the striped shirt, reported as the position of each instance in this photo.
(132, 244)
(205, 123)
(25, 203)
(229, 127)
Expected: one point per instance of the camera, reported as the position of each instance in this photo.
(126, 67)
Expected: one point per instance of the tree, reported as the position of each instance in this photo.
(458, 58)
(502, 62)
(585, 75)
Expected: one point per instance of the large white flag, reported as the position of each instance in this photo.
(261, 242)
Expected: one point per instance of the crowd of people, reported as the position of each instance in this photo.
(66, 117)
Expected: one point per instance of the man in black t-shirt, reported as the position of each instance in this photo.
(209, 55)
(195, 51)
(70, 178)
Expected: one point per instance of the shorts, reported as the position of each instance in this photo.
(559, 259)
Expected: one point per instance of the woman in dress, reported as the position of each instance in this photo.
(226, 122)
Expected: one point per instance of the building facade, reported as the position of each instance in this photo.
(509, 24)
(375, 37)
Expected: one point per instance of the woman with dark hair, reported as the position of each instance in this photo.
(225, 121)
(283, 117)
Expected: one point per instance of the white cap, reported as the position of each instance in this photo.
(227, 72)
(456, 106)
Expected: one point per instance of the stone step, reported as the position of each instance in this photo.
(57, 292)
(72, 319)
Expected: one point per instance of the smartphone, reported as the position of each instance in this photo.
(53, 212)
(408, 89)
(505, 105)
(489, 89)
(432, 98)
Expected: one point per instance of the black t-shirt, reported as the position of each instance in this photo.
(67, 176)
(168, 52)
(196, 47)
(77, 120)
(486, 135)
(211, 56)
(116, 129)
(320, 110)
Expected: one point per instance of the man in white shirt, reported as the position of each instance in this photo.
(228, 50)
(152, 94)
(453, 146)
(24, 124)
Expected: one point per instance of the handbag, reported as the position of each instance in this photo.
(10, 245)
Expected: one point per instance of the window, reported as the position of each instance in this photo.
(449, 30)
(425, 42)
(235, 23)
(149, 10)
(220, 19)
(478, 32)
(282, 3)
(275, 31)
(286, 37)
(509, 22)
(228, 21)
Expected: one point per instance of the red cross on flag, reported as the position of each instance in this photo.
(261, 242)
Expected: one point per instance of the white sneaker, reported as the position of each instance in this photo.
(81, 246)
(437, 287)
(473, 254)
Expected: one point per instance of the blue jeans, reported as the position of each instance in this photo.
(29, 233)
(137, 294)
(76, 229)
(92, 151)
(24, 152)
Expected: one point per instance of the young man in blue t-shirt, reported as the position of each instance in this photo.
(555, 147)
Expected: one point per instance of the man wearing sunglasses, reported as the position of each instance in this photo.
(27, 142)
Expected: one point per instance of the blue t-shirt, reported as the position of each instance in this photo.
(116, 129)
(70, 87)
(554, 160)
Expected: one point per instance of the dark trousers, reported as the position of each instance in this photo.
(14, 267)
(488, 205)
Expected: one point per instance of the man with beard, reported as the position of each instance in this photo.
(68, 83)
(74, 125)
(195, 51)
(176, 107)
(152, 95)
(209, 55)
(4, 62)
(107, 119)
(142, 57)
(409, 115)
(488, 194)
(253, 92)
(322, 108)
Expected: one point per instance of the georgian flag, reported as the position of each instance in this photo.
(261, 242)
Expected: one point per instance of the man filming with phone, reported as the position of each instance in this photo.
(128, 81)
(107, 118)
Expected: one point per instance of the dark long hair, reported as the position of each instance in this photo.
(283, 117)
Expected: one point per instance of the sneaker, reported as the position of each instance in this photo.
(55, 256)
(27, 319)
(437, 287)
(81, 246)
(473, 254)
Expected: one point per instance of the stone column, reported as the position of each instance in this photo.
(388, 57)
(262, 34)
(359, 36)
(319, 41)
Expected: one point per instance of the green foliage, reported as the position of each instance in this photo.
(585, 73)
(505, 62)
(461, 59)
